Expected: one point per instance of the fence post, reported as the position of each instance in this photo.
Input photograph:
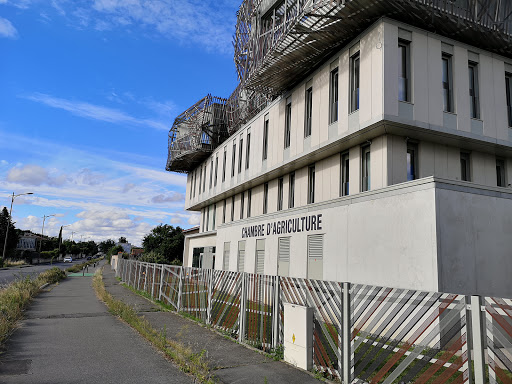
(209, 298)
(477, 339)
(130, 271)
(153, 282)
(180, 288)
(275, 312)
(243, 303)
(161, 282)
(346, 353)
(146, 267)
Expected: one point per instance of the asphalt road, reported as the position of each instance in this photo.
(70, 337)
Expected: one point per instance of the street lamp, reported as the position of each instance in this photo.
(9, 219)
(42, 233)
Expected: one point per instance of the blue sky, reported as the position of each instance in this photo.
(88, 93)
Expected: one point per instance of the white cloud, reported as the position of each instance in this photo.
(34, 175)
(95, 112)
(7, 29)
(172, 198)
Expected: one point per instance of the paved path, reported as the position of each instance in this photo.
(69, 337)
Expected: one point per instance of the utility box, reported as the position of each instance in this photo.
(298, 335)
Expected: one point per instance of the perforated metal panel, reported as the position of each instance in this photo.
(241, 256)
(283, 266)
(225, 262)
(260, 256)
(315, 257)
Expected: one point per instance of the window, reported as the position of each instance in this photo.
(291, 191)
(412, 161)
(500, 173)
(280, 184)
(200, 178)
(403, 71)
(192, 185)
(216, 170)
(508, 88)
(233, 160)
(344, 177)
(249, 200)
(465, 170)
(265, 198)
(288, 122)
(260, 256)
(333, 96)
(225, 262)
(447, 83)
(240, 154)
(224, 164)
(242, 203)
(309, 110)
(265, 139)
(204, 179)
(233, 208)
(211, 174)
(283, 264)
(311, 184)
(214, 216)
(365, 168)
(473, 90)
(207, 218)
(204, 220)
(241, 255)
(248, 150)
(354, 82)
(224, 212)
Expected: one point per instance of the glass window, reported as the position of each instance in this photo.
(233, 160)
(354, 82)
(248, 150)
(214, 216)
(224, 164)
(265, 139)
(200, 178)
(500, 173)
(224, 212)
(204, 178)
(240, 154)
(333, 96)
(344, 190)
(412, 161)
(233, 208)
(280, 183)
(311, 184)
(365, 168)
(216, 170)
(473, 90)
(447, 83)
(211, 174)
(291, 192)
(288, 122)
(242, 203)
(249, 200)
(265, 198)
(508, 89)
(465, 170)
(207, 218)
(309, 111)
(403, 71)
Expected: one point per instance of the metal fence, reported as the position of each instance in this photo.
(361, 333)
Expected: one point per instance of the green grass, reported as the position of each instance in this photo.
(16, 297)
(78, 267)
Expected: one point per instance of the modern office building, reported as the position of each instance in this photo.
(367, 141)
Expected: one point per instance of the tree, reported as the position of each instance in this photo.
(123, 240)
(106, 245)
(12, 240)
(166, 241)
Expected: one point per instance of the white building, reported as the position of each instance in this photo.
(387, 161)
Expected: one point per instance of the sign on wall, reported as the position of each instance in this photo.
(282, 227)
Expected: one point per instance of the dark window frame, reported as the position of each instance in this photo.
(474, 91)
(288, 123)
(265, 198)
(291, 190)
(404, 70)
(355, 81)
(333, 95)
(265, 138)
(366, 168)
(447, 83)
(308, 112)
(311, 184)
(344, 174)
(280, 193)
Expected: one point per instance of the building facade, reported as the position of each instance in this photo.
(389, 162)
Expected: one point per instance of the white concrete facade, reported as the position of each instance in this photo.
(436, 232)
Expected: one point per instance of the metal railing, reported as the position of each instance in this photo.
(361, 333)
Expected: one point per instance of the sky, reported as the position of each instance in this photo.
(88, 92)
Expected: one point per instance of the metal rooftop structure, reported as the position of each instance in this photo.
(196, 133)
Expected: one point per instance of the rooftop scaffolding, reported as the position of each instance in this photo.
(196, 133)
(278, 42)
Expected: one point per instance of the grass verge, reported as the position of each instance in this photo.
(78, 267)
(16, 296)
(184, 358)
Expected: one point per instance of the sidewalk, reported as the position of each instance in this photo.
(68, 336)
(229, 362)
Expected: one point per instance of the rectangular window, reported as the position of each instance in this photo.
(465, 170)
(265, 139)
(447, 83)
(214, 216)
(224, 164)
(500, 173)
(280, 185)
(288, 122)
(311, 184)
(233, 160)
(365, 168)
(403, 71)
(412, 161)
(265, 198)
(241, 256)
(260, 256)
(473, 90)
(204, 219)
(248, 150)
(316, 257)
(333, 96)
(207, 218)
(204, 179)
(249, 201)
(242, 203)
(291, 191)
(225, 262)
(354, 82)
(508, 89)
(216, 170)
(200, 178)
(344, 177)
(309, 112)
(211, 174)
(240, 154)
(224, 212)
(192, 185)
(283, 264)
(233, 208)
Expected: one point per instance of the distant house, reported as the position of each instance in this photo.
(136, 252)
(27, 242)
(127, 247)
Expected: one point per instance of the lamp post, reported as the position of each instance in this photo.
(42, 234)
(8, 221)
